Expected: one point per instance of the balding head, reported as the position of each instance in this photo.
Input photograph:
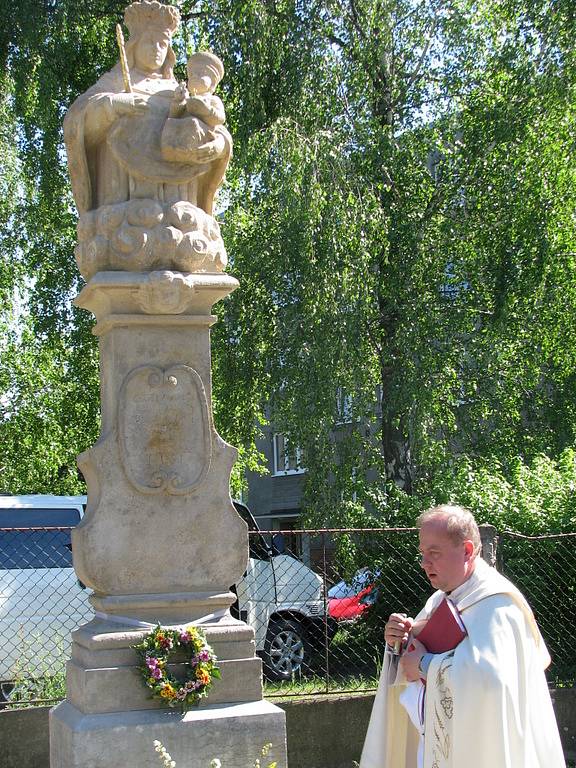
(449, 543)
(460, 523)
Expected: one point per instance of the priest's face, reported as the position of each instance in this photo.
(447, 563)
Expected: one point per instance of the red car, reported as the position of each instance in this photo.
(349, 601)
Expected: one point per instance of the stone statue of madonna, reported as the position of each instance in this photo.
(145, 163)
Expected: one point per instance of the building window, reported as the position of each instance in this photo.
(343, 406)
(288, 459)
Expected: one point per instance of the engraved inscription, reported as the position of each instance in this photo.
(164, 429)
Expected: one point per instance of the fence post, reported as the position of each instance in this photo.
(489, 538)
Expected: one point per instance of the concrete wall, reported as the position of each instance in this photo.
(564, 700)
(325, 732)
(24, 739)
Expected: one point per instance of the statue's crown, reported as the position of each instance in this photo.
(147, 14)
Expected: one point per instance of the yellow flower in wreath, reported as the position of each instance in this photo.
(202, 676)
(154, 651)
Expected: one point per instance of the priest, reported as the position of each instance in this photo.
(483, 704)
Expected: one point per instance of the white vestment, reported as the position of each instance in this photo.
(487, 703)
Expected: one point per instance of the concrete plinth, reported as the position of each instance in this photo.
(102, 675)
(109, 719)
(234, 733)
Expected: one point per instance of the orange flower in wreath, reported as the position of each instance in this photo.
(202, 676)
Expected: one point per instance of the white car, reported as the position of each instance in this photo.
(285, 602)
(41, 599)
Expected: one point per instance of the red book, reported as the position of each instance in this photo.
(444, 630)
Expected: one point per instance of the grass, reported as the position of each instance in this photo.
(38, 681)
(31, 691)
(318, 685)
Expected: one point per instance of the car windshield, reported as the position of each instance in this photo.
(23, 549)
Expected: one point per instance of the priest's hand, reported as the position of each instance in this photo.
(397, 629)
(411, 659)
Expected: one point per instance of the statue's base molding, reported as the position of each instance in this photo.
(174, 608)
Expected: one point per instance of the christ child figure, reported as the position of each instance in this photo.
(203, 112)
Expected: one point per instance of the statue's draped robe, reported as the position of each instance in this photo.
(113, 158)
(487, 703)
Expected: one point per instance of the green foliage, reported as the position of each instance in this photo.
(531, 498)
(49, 412)
(39, 677)
(400, 214)
(402, 223)
(30, 691)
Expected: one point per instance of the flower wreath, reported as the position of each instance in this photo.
(154, 651)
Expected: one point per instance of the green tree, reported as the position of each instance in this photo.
(399, 213)
(402, 219)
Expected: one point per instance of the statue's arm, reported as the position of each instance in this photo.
(103, 109)
(178, 104)
(99, 116)
(209, 109)
(211, 150)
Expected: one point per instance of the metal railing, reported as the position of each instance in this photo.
(316, 599)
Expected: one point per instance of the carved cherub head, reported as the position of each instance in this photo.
(205, 70)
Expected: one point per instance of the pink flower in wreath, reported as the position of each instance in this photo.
(157, 673)
(151, 662)
(204, 655)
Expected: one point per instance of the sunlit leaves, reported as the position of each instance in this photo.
(399, 211)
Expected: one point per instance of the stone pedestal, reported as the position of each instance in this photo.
(235, 734)
(160, 541)
(109, 721)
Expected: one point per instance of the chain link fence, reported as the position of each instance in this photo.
(41, 602)
(370, 573)
(316, 599)
(361, 576)
(544, 569)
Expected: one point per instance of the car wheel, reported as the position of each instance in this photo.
(286, 650)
